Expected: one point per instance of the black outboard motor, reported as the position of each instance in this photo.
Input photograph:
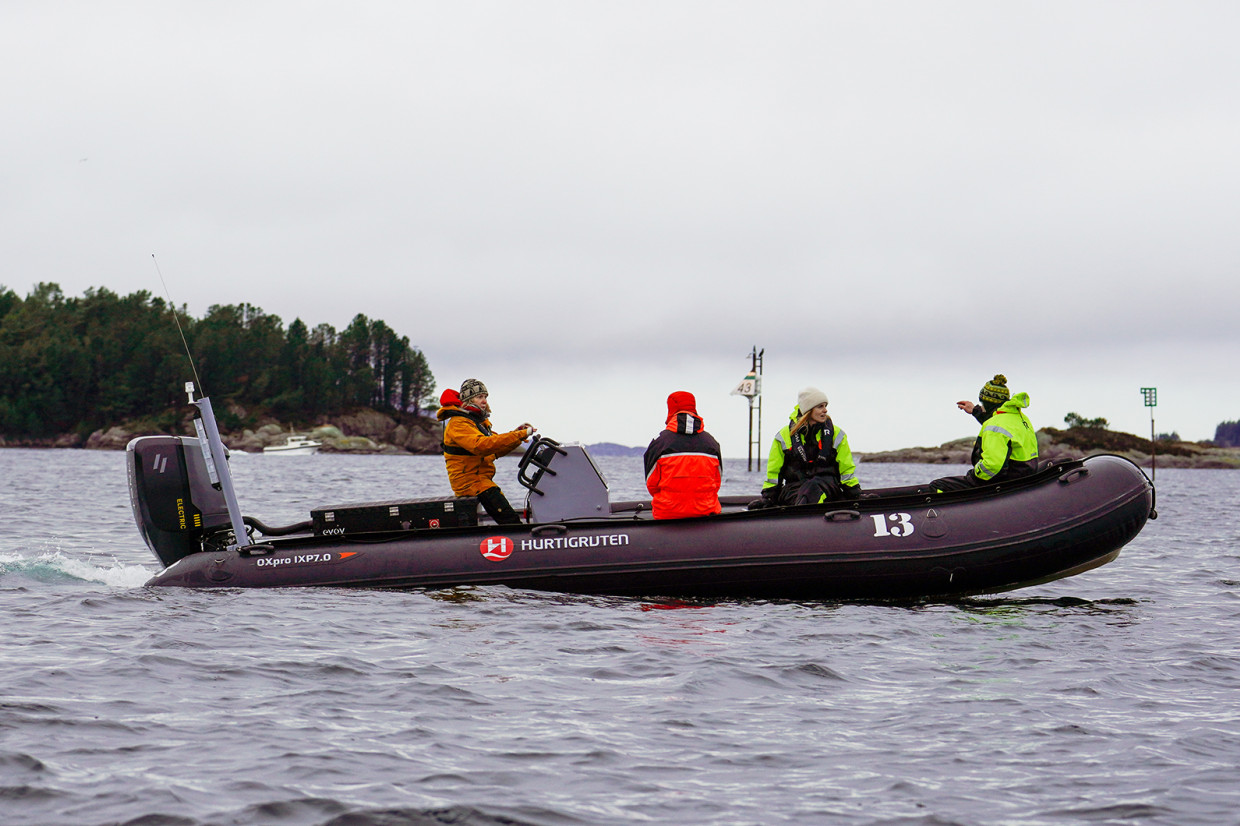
(175, 505)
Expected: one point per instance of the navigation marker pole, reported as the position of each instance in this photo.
(751, 388)
(1151, 401)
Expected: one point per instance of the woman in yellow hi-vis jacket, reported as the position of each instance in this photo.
(810, 458)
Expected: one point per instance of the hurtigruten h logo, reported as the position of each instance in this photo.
(496, 548)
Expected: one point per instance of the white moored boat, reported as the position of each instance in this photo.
(295, 445)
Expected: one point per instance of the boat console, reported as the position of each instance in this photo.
(563, 482)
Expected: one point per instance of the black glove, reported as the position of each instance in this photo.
(770, 499)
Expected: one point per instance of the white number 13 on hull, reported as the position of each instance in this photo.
(902, 524)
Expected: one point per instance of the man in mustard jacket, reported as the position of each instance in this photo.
(470, 448)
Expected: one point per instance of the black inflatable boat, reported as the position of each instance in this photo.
(900, 543)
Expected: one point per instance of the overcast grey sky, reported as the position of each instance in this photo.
(590, 205)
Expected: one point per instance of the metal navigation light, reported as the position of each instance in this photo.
(1150, 394)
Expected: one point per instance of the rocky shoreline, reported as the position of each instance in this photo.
(1077, 443)
(361, 431)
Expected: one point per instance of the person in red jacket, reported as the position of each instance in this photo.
(684, 466)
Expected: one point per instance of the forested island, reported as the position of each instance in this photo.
(96, 370)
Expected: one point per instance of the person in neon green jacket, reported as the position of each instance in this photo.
(1006, 448)
(810, 459)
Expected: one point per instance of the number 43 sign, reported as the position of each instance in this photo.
(750, 387)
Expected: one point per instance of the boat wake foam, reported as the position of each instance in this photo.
(54, 567)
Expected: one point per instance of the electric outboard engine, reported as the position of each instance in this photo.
(173, 500)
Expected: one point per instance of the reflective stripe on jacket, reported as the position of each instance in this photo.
(684, 468)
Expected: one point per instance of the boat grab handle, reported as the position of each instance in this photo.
(255, 550)
(543, 530)
(539, 454)
(1072, 475)
(841, 516)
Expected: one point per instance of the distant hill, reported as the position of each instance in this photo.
(612, 449)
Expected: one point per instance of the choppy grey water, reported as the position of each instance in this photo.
(1111, 697)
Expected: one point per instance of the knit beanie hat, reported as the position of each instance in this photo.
(471, 388)
(809, 398)
(995, 392)
(681, 401)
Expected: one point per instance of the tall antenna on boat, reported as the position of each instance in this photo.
(177, 317)
(214, 454)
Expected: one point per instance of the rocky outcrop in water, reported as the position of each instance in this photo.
(360, 431)
(1077, 443)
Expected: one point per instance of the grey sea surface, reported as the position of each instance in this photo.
(1108, 698)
